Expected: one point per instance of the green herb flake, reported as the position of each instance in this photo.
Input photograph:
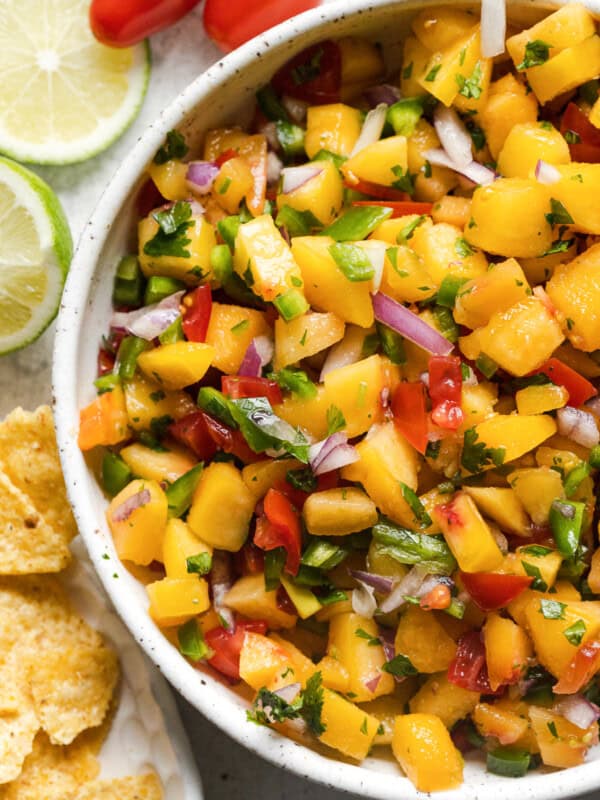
(312, 704)
(239, 327)
(536, 53)
(201, 564)
(415, 505)
(432, 74)
(170, 238)
(572, 137)
(405, 181)
(174, 147)
(552, 728)
(372, 641)
(476, 455)
(559, 214)
(295, 381)
(539, 584)
(559, 246)
(363, 727)
(335, 420)
(400, 666)
(462, 248)
(575, 633)
(408, 230)
(426, 169)
(552, 609)
(408, 71)
(191, 641)
(536, 550)
(470, 87)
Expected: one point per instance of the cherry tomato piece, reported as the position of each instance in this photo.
(196, 316)
(469, 668)
(280, 527)
(227, 646)
(490, 590)
(240, 386)
(445, 390)
(410, 414)
(582, 668)
(314, 75)
(193, 432)
(577, 123)
(230, 441)
(577, 386)
(122, 23)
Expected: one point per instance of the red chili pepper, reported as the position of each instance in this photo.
(581, 669)
(400, 207)
(232, 23)
(314, 75)
(469, 668)
(577, 386)
(230, 441)
(227, 646)
(225, 156)
(377, 190)
(192, 431)
(491, 590)
(240, 386)
(280, 527)
(445, 390)
(121, 23)
(410, 413)
(196, 317)
(588, 148)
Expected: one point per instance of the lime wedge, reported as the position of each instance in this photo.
(65, 97)
(35, 253)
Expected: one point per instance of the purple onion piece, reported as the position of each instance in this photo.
(383, 93)
(363, 600)
(339, 457)
(221, 580)
(372, 683)
(318, 451)
(295, 177)
(578, 710)
(546, 173)
(127, 507)
(454, 137)
(409, 325)
(381, 583)
(258, 355)
(150, 321)
(201, 176)
(578, 425)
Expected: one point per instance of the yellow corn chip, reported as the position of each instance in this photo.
(29, 457)
(10, 681)
(27, 543)
(52, 772)
(17, 732)
(141, 787)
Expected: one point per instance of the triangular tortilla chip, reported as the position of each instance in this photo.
(17, 732)
(140, 787)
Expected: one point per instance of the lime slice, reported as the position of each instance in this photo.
(35, 253)
(65, 96)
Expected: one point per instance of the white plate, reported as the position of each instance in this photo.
(146, 733)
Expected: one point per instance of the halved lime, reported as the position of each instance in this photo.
(64, 97)
(35, 253)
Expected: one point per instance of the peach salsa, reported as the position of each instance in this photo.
(348, 397)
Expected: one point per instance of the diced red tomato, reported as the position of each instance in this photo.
(491, 590)
(192, 431)
(280, 527)
(445, 390)
(106, 362)
(227, 646)
(240, 386)
(230, 441)
(376, 190)
(400, 208)
(121, 23)
(588, 148)
(250, 560)
(577, 386)
(329, 480)
(148, 198)
(410, 414)
(225, 156)
(469, 668)
(296, 496)
(584, 665)
(196, 317)
(314, 75)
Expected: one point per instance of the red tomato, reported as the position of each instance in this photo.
(230, 441)
(377, 190)
(196, 317)
(121, 23)
(445, 390)
(106, 362)
(249, 560)
(588, 148)
(232, 23)
(577, 386)
(410, 415)
(491, 591)
(314, 75)
(240, 386)
(468, 668)
(296, 496)
(280, 527)
(148, 198)
(584, 665)
(227, 646)
(193, 432)
(225, 156)
(400, 207)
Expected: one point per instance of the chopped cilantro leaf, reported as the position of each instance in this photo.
(476, 455)
(575, 633)
(539, 584)
(432, 74)
(372, 641)
(462, 248)
(415, 505)
(405, 180)
(470, 87)
(174, 147)
(400, 666)
(200, 564)
(559, 214)
(552, 609)
(536, 53)
(335, 420)
(170, 238)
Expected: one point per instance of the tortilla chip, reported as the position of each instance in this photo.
(140, 787)
(52, 772)
(10, 681)
(72, 674)
(29, 457)
(27, 543)
(17, 732)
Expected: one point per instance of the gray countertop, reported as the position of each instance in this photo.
(229, 772)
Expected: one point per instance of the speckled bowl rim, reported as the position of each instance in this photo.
(203, 690)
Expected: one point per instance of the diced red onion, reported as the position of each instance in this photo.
(375, 252)
(123, 511)
(296, 108)
(318, 450)
(150, 321)
(295, 177)
(409, 325)
(594, 406)
(257, 356)
(387, 638)
(372, 683)
(578, 710)
(363, 600)
(474, 171)
(381, 583)
(383, 93)
(578, 425)
(500, 539)
(269, 131)
(371, 129)
(454, 137)
(201, 175)
(274, 168)
(339, 457)
(493, 27)
(289, 692)
(409, 585)
(546, 173)
(221, 580)
(346, 352)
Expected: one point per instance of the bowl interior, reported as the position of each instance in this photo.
(224, 95)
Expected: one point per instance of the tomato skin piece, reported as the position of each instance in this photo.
(106, 362)
(193, 432)
(580, 671)
(122, 23)
(280, 527)
(249, 560)
(230, 441)
(578, 387)
(230, 24)
(225, 156)
(322, 60)
(196, 316)
(240, 386)
(445, 390)
(400, 208)
(469, 668)
(491, 590)
(227, 646)
(410, 415)
(588, 149)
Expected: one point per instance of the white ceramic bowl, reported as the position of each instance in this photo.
(223, 94)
